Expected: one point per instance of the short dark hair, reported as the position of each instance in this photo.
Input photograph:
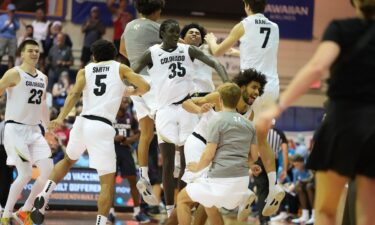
(166, 24)
(103, 50)
(187, 27)
(246, 76)
(297, 158)
(23, 44)
(148, 7)
(230, 94)
(256, 6)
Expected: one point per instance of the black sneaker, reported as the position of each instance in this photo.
(111, 218)
(142, 218)
(36, 216)
(153, 210)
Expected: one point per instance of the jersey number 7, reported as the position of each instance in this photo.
(268, 32)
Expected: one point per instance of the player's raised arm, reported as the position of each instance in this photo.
(196, 53)
(220, 49)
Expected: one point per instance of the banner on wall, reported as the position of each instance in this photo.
(294, 17)
(55, 9)
(81, 10)
(81, 187)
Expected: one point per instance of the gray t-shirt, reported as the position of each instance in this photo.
(139, 35)
(234, 134)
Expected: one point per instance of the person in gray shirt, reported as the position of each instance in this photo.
(230, 141)
(139, 35)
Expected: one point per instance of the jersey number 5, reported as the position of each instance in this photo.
(101, 86)
(268, 31)
(36, 96)
(176, 69)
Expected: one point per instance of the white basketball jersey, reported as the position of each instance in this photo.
(202, 77)
(24, 100)
(104, 89)
(259, 46)
(171, 74)
(202, 125)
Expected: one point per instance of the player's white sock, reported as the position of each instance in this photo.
(101, 220)
(169, 209)
(136, 210)
(143, 172)
(271, 180)
(48, 189)
(23, 177)
(112, 211)
(45, 167)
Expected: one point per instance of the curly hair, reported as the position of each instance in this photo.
(246, 76)
(187, 27)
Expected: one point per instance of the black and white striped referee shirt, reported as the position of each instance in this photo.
(275, 138)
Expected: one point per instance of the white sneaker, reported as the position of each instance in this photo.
(245, 207)
(273, 201)
(145, 189)
(310, 221)
(281, 217)
(300, 220)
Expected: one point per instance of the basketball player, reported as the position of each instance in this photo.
(230, 137)
(193, 34)
(23, 135)
(171, 67)
(138, 36)
(259, 39)
(101, 84)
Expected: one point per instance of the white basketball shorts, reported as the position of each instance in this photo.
(98, 138)
(25, 142)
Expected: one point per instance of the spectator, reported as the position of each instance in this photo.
(60, 58)
(301, 148)
(9, 24)
(304, 186)
(93, 29)
(122, 15)
(61, 89)
(41, 26)
(55, 29)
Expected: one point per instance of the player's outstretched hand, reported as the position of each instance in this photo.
(193, 167)
(210, 38)
(54, 124)
(256, 170)
(129, 90)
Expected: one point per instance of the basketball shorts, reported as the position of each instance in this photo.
(145, 105)
(174, 124)
(218, 192)
(25, 142)
(193, 150)
(97, 137)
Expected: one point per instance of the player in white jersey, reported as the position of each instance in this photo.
(193, 34)
(259, 40)
(24, 135)
(101, 85)
(170, 68)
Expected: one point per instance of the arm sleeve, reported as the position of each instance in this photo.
(213, 131)
(332, 32)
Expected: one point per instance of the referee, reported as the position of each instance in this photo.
(278, 142)
(5, 171)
